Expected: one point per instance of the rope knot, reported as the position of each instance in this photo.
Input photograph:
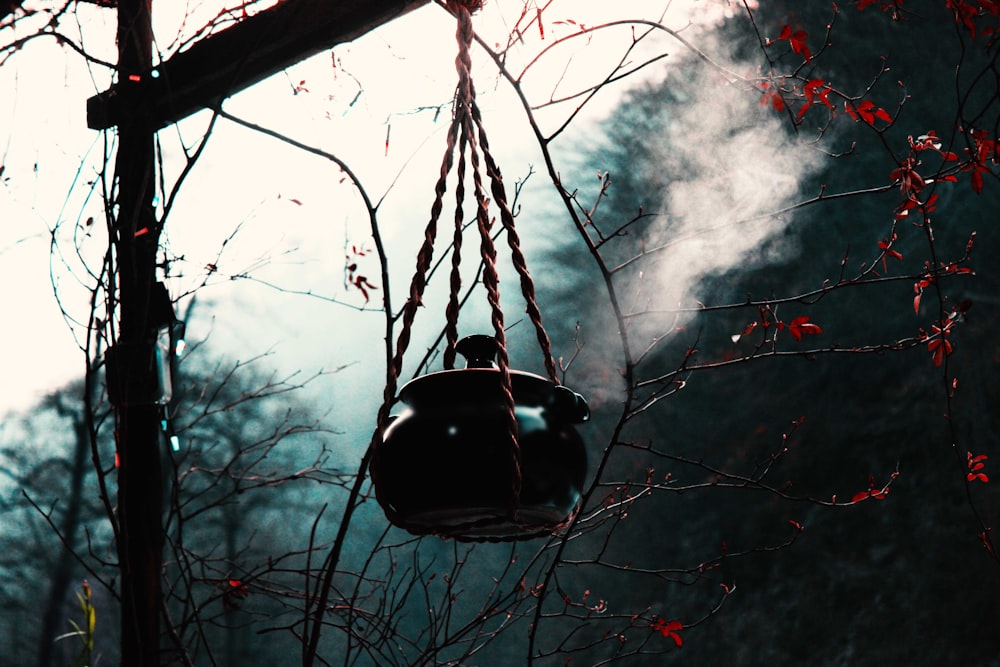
(469, 5)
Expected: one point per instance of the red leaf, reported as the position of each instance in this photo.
(977, 181)
(669, 629)
(975, 465)
(798, 42)
(885, 245)
(816, 89)
(939, 348)
(872, 492)
(801, 326)
(773, 97)
(865, 110)
(868, 112)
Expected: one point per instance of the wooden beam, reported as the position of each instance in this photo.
(9, 7)
(225, 63)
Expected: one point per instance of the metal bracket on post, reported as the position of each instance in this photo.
(138, 372)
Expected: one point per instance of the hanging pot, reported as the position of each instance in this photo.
(445, 462)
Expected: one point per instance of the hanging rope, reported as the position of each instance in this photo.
(455, 278)
(417, 285)
(468, 133)
(514, 242)
(473, 122)
(491, 281)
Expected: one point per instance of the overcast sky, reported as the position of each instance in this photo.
(294, 215)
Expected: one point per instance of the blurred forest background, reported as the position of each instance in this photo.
(899, 581)
(899, 578)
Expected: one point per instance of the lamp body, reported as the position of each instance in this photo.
(445, 464)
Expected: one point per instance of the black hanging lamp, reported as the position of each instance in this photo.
(484, 452)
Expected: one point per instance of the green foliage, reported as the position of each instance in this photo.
(85, 631)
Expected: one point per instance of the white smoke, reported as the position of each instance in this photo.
(732, 167)
(725, 166)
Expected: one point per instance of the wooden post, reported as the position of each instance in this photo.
(140, 502)
(142, 102)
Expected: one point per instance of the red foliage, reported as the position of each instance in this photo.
(798, 327)
(983, 151)
(815, 90)
(893, 6)
(885, 245)
(868, 112)
(801, 326)
(233, 593)
(972, 14)
(975, 466)
(351, 276)
(938, 344)
(772, 96)
(872, 492)
(669, 629)
(797, 40)
(910, 182)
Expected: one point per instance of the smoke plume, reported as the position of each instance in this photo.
(730, 166)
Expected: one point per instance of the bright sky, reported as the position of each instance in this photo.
(281, 200)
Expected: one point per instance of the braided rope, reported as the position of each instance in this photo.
(470, 531)
(514, 242)
(463, 100)
(424, 257)
(467, 5)
(491, 280)
(417, 285)
(452, 310)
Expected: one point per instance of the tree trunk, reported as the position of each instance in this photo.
(53, 618)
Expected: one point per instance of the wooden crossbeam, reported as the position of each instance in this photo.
(233, 59)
